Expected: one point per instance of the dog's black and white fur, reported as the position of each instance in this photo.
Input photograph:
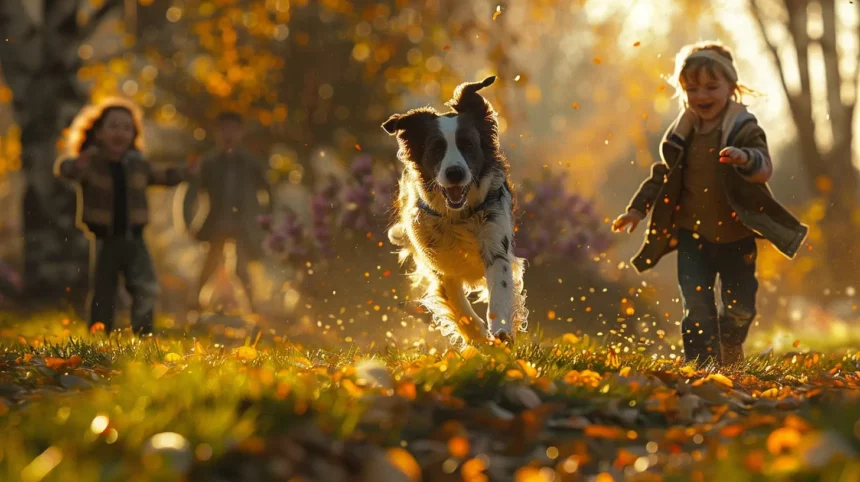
(454, 216)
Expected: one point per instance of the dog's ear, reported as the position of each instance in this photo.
(390, 125)
(466, 94)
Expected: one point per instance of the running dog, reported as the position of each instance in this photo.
(454, 216)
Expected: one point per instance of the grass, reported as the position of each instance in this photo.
(80, 406)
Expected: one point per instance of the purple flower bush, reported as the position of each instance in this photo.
(557, 225)
(340, 209)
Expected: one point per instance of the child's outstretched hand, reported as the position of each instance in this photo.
(86, 156)
(733, 155)
(631, 218)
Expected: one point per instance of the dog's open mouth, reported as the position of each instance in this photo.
(455, 196)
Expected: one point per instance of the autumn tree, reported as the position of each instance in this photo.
(40, 61)
(806, 39)
(307, 74)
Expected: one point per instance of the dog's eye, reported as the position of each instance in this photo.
(438, 147)
(466, 145)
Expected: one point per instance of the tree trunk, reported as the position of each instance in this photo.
(40, 64)
(830, 173)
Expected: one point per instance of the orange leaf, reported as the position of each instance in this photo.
(97, 327)
(575, 106)
(407, 390)
(637, 43)
(357, 146)
(74, 361)
(597, 60)
(55, 364)
(782, 439)
(796, 343)
(602, 431)
(459, 447)
(732, 430)
(447, 47)
(404, 462)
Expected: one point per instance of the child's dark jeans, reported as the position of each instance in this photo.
(706, 326)
(130, 257)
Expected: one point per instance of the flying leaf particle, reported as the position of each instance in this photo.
(497, 12)
(796, 343)
(447, 47)
(597, 60)
(357, 146)
(637, 43)
(575, 106)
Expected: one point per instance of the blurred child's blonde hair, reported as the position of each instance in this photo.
(81, 133)
(713, 57)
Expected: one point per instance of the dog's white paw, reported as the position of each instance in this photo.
(397, 235)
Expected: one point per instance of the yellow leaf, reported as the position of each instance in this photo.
(570, 338)
(772, 393)
(173, 358)
(527, 368)
(624, 371)
(404, 462)
(246, 353)
(530, 474)
(721, 379)
(784, 438)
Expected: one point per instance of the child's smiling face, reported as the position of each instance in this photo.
(707, 92)
(117, 132)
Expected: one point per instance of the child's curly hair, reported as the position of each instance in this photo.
(689, 68)
(82, 132)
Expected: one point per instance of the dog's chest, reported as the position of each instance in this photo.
(454, 248)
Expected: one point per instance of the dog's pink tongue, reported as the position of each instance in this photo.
(455, 193)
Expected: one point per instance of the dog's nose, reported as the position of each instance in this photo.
(455, 174)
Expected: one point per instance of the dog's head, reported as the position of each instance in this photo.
(450, 151)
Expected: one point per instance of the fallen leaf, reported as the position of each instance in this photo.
(459, 447)
(783, 438)
(404, 462)
(246, 353)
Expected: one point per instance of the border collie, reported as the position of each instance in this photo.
(454, 216)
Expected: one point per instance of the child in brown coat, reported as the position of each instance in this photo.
(709, 200)
(113, 176)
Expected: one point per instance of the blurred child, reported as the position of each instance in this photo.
(232, 186)
(708, 199)
(113, 175)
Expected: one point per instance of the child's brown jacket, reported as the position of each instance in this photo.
(749, 195)
(97, 189)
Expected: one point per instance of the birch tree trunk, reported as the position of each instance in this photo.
(831, 173)
(40, 63)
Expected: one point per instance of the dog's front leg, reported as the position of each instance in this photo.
(471, 326)
(497, 254)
